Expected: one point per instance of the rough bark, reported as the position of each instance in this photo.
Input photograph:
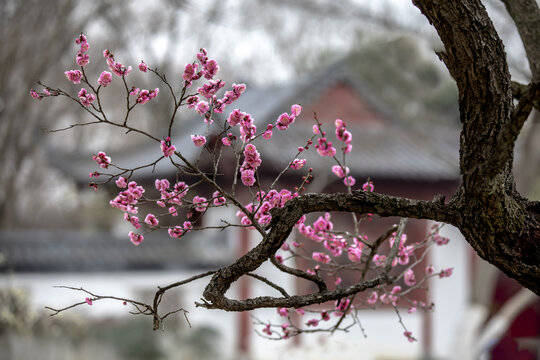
(501, 225)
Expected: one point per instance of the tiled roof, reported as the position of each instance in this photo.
(76, 251)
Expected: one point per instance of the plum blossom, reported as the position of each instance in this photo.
(74, 76)
(440, 240)
(198, 140)
(349, 181)
(146, 95)
(284, 121)
(102, 159)
(312, 322)
(446, 273)
(162, 185)
(321, 257)
(85, 97)
(430, 270)
(296, 110)
(247, 177)
(35, 95)
(267, 330)
(143, 67)
(88, 301)
(340, 171)
(202, 107)
(166, 148)
(176, 232)
(121, 182)
(354, 253)
(409, 336)
(134, 220)
(200, 202)
(105, 78)
(135, 238)
(83, 41)
(283, 312)
(325, 148)
(190, 74)
(226, 141)
(82, 58)
(409, 277)
(218, 200)
(117, 68)
(297, 164)
(368, 186)
(151, 220)
(372, 299)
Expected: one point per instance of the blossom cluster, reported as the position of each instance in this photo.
(329, 251)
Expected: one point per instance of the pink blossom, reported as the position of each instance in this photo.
(200, 202)
(176, 232)
(316, 130)
(235, 117)
(82, 58)
(349, 181)
(340, 171)
(372, 299)
(102, 159)
(226, 141)
(283, 312)
(411, 310)
(146, 95)
(338, 281)
(248, 177)
(134, 220)
(35, 95)
(166, 148)
(409, 336)
(409, 278)
(94, 174)
(121, 182)
(368, 186)
(312, 322)
(297, 164)
(321, 257)
(218, 200)
(284, 121)
(173, 211)
(162, 184)
(429, 269)
(210, 69)
(151, 220)
(105, 78)
(301, 311)
(143, 67)
(296, 110)
(86, 98)
(354, 254)
(440, 240)
(190, 74)
(136, 239)
(82, 40)
(325, 148)
(198, 140)
(134, 91)
(74, 76)
(88, 301)
(202, 107)
(446, 273)
(267, 330)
